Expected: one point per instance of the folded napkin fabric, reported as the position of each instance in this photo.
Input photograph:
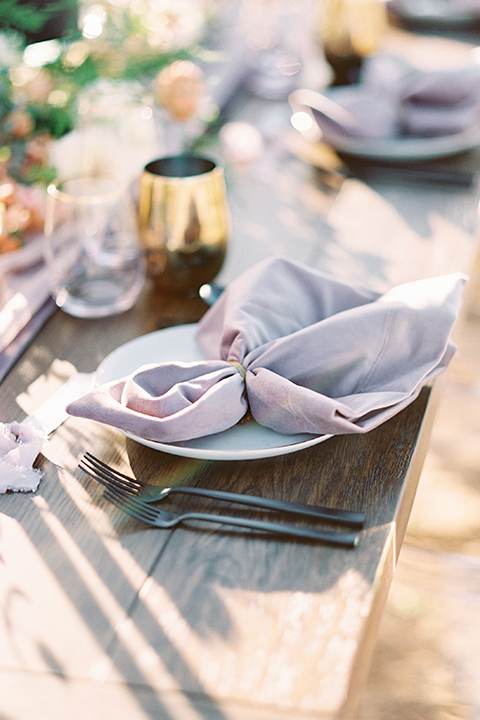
(357, 112)
(440, 102)
(440, 10)
(19, 446)
(394, 99)
(303, 351)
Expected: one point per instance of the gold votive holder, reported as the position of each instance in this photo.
(184, 221)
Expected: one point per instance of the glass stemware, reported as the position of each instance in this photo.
(92, 247)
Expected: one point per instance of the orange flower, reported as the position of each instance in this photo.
(19, 123)
(9, 243)
(22, 212)
(179, 89)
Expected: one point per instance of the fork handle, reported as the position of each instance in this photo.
(347, 517)
(326, 536)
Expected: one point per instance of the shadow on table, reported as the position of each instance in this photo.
(194, 616)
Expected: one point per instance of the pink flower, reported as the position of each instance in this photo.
(37, 150)
(179, 89)
(32, 200)
(39, 87)
(19, 124)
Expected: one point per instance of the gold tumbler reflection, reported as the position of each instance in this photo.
(184, 221)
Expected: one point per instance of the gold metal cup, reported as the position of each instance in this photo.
(184, 221)
(349, 31)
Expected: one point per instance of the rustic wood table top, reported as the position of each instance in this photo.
(103, 617)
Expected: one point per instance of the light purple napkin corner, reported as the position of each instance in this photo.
(304, 351)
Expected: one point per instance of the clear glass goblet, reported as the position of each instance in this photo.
(92, 247)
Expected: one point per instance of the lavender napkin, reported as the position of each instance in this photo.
(457, 11)
(394, 99)
(304, 351)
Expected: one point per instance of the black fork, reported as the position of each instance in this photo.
(155, 517)
(115, 480)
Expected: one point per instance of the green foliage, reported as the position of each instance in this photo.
(124, 51)
(55, 121)
(27, 17)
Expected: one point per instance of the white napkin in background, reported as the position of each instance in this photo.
(305, 352)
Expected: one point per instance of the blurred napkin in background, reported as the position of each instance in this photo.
(456, 12)
(303, 351)
(394, 99)
(24, 287)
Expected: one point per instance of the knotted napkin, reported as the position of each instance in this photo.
(303, 351)
(394, 99)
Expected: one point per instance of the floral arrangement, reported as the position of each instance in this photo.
(150, 41)
(34, 111)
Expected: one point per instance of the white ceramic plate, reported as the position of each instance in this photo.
(410, 149)
(246, 440)
(401, 149)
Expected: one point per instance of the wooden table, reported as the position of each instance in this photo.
(105, 618)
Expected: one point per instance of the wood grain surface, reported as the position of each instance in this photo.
(102, 617)
(233, 622)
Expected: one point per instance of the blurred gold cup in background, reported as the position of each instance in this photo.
(350, 30)
(184, 221)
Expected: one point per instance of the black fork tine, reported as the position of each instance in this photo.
(112, 472)
(147, 509)
(107, 482)
(114, 479)
(99, 476)
(137, 510)
(108, 471)
(107, 476)
(141, 511)
(123, 506)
